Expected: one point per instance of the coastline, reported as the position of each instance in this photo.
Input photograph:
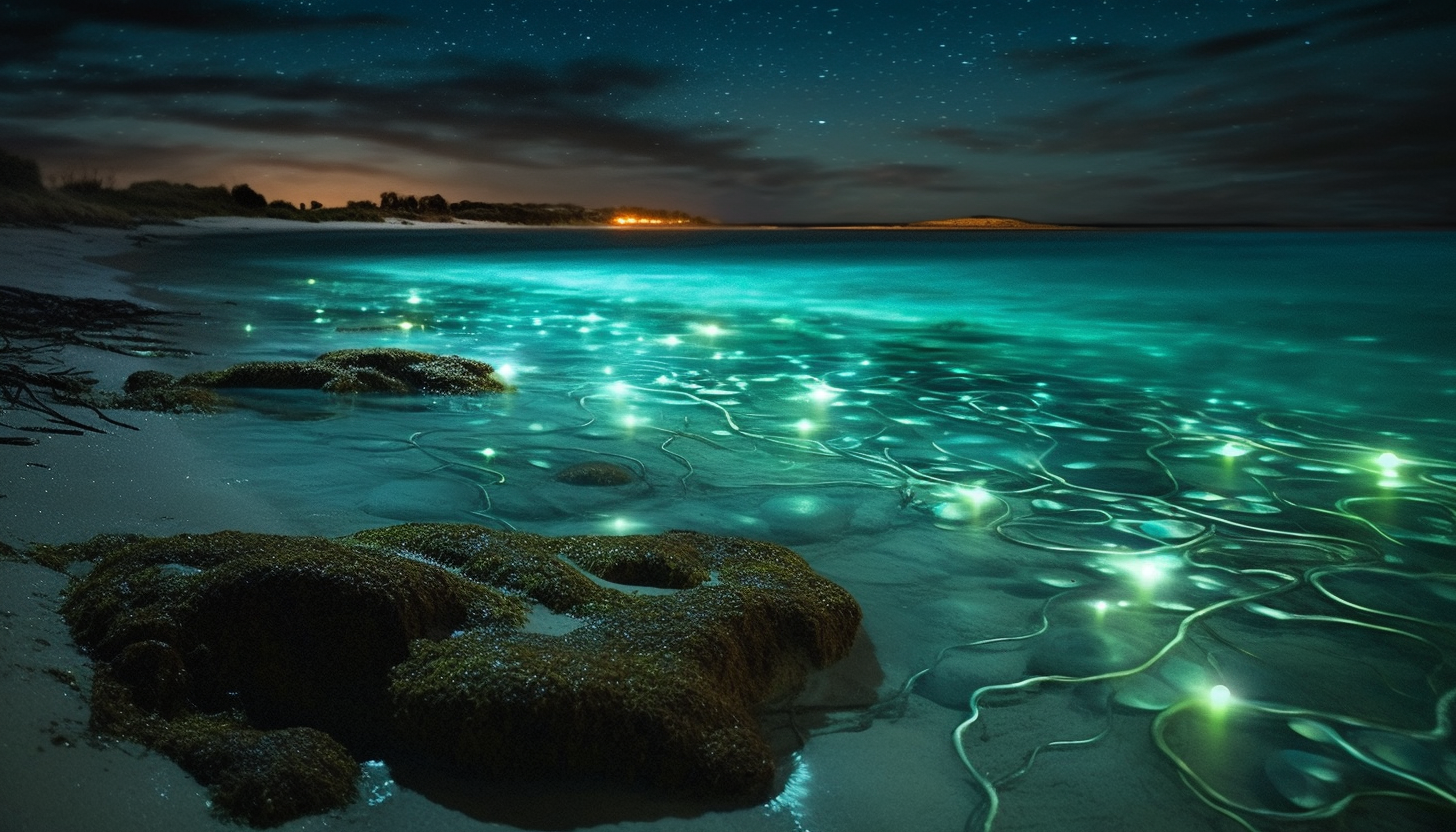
(164, 479)
(156, 480)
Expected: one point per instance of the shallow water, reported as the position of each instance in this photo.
(1177, 506)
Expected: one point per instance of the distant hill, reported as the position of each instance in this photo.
(989, 223)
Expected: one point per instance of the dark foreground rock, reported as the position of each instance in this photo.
(265, 665)
(375, 370)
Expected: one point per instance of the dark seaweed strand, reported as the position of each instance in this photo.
(33, 325)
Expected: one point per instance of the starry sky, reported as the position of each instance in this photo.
(1327, 111)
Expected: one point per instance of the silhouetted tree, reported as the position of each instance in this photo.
(249, 198)
(17, 174)
(315, 205)
(434, 204)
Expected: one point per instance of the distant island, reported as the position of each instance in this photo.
(976, 223)
(89, 200)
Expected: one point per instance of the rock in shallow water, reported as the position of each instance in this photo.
(411, 639)
(374, 370)
(595, 473)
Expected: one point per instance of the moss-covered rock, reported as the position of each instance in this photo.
(595, 473)
(378, 370)
(161, 392)
(655, 687)
(249, 658)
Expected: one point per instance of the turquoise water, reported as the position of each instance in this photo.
(1179, 506)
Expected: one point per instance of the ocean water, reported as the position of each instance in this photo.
(1151, 530)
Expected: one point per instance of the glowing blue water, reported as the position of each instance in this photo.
(1164, 462)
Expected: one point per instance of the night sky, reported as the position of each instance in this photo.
(752, 110)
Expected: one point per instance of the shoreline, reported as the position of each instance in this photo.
(66, 489)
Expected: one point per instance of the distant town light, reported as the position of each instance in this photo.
(630, 220)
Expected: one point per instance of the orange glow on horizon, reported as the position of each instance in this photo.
(645, 221)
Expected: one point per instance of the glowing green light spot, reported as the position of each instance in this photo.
(1219, 697)
(1388, 460)
(977, 495)
(804, 425)
(1148, 574)
(247, 327)
(406, 326)
(1231, 450)
(311, 281)
(488, 453)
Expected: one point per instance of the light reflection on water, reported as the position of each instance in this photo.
(1195, 487)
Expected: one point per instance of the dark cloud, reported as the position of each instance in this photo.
(515, 113)
(916, 177)
(1381, 18)
(35, 30)
(1322, 26)
(1239, 43)
(1244, 121)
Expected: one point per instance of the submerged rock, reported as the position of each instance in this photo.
(596, 473)
(375, 370)
(254, 661)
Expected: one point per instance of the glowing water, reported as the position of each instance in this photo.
(1193, 494)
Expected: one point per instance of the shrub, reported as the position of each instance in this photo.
(249, 198)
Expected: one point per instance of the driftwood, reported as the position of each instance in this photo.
(35, 326)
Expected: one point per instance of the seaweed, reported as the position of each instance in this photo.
(36, 325)
(264, 662)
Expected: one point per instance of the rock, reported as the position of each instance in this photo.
(255, 661)
(160, 392)
(595, 473)
(375, 370)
